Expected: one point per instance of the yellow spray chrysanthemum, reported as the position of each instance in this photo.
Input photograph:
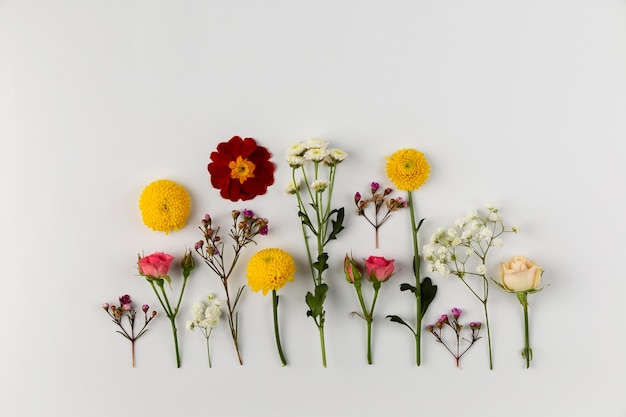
(408, 169)
(270, 269)
(164, 206)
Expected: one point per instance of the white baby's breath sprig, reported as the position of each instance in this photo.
(462, 251)
(206, 315)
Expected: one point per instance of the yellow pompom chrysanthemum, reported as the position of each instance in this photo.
(164, 206)
(408, 169)
(270, 269)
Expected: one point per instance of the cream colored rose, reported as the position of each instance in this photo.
(520, 274)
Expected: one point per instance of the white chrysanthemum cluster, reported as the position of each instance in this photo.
(206, 314)
(454, 250)
(315, 150)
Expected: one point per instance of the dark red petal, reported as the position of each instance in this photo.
(248, 148)
(232, 148)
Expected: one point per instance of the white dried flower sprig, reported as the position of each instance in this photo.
(206, 315)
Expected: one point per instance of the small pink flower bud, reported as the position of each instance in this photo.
(456, 312)
(145, 308)
(444, 318)
(438, 324)
(248, 214)
(153, 313)
(105, 306)
(357, 198)
(351, 269)
(375, 186)
(125, 299)
(388, 191)
(430, 328)
(126, 307)
(198, 245)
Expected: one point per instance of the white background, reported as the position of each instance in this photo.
(520, 103)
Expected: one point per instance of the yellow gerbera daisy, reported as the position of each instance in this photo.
(270, 269)
(408, 169)
(164, 206)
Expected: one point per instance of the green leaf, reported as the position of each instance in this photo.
(405, 286)
(337, 224)
(419, 225)
(322, 262)
(397, 319)
(315, 301)
(428, 292)
(304, 217)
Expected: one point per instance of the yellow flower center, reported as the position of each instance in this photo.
(242, 169)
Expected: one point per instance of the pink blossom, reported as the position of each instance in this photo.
(156, 265)
(378, 269)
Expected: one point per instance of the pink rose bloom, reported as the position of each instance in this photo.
(377, 268)
(156, 265)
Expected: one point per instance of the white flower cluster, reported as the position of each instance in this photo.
(315, 151)
(205, 314)
(450, 250)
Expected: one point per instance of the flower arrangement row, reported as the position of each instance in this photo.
(242, 170)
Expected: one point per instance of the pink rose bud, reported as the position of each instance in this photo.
(375, 186)
(378, 269)
(156, 265)
(351, 269)
(357, 197)
(456, 312)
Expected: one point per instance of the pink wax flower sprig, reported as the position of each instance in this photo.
(127, 310)
(378, 199)
(377, 270)
(453, 322)
(243, 232)
(155, 268)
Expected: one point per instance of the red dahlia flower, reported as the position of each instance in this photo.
(241, 169)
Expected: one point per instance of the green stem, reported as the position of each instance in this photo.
(276, 333)
(488, 335)
(368, 319)
(527, 352)
(322, 342)
(208, 349)
(418, 294)
(175, 333)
